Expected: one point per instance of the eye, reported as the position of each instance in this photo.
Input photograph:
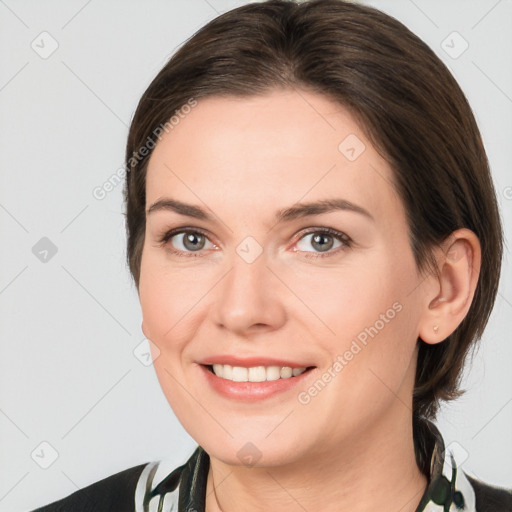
(323, 240)
(186, 242)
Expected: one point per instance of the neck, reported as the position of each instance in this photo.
(374, 470)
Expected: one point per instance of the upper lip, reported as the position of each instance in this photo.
(249, 362)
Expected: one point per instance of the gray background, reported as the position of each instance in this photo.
(70, 321)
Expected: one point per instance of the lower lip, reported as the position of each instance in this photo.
(252, 391)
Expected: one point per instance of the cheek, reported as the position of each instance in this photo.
(165, 303)
(372, 319)
(347, 299)
(157, 318)
(167, 298)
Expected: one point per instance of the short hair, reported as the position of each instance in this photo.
(408, 105)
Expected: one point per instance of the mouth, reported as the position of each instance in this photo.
(256, 373)
(254, 383)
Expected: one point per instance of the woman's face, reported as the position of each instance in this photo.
(239, 273)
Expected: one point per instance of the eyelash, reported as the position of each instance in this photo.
(342, 237)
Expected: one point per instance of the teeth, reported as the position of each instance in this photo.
(286, 372)
(227, 371)
(240, 374)
(255, 373)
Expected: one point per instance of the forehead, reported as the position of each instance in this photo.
(281, 147)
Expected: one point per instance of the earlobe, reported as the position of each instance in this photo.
(459, 262)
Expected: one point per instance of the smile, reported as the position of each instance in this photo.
(255, 373)
(253, 383)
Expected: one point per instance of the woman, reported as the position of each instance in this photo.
(314, 236)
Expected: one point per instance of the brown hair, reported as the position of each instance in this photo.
(405, 99)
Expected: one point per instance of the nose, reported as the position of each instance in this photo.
(249, 298)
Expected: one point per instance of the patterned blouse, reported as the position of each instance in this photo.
(161, 487)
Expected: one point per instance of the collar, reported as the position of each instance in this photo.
(448, 489)
(161, 488)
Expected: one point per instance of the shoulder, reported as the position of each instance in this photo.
(490, 498)
(116, 492)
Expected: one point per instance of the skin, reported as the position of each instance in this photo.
(350, 447)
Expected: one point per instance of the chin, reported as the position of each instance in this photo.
(255, 449)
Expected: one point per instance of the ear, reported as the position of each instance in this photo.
(449, 299)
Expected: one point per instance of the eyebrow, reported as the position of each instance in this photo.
(284, 215)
